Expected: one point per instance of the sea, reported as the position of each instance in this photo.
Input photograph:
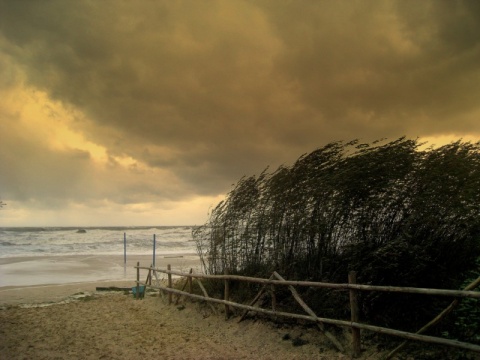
(63, 255)
(53, 241)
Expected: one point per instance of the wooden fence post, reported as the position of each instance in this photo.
(148, 281)
(274, 297)
(190, 289)
(352, 279)
(137, 295)
(169, 284)
(227, 296)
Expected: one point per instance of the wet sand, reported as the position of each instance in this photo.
(33, 272)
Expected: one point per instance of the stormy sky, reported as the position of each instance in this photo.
(146, 112)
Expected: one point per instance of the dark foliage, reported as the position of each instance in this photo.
(396, 214)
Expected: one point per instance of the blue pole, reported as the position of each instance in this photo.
(154, 240)
(125, 248)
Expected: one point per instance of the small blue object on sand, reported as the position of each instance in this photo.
(141, 291)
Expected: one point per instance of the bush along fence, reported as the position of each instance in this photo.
(398, 212)
(277, 280)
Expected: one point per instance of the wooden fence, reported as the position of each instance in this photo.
(351, 286)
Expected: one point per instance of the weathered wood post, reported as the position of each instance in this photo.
(137, 295)
(149, 276)
(352, 279)
(274, 298)
(190, 289)
(227, 295)
(169, 267)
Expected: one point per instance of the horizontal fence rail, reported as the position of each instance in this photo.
(343, 323)
(409, 290)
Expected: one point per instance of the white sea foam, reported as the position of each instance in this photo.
(38, 256)
(28, 242)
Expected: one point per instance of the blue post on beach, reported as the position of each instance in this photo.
(154, 241)
(125, 248)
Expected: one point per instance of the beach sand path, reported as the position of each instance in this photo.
(116, 326)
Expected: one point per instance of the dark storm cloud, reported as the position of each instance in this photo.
(390, 60)
(213, 89)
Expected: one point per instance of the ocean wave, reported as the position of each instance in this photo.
(6, 243)
(98, 240)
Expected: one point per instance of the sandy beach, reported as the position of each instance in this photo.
(116, 326)
(57, 319)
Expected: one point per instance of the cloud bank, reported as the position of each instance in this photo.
(111, 106)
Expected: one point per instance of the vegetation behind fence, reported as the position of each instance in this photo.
(402, 215)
